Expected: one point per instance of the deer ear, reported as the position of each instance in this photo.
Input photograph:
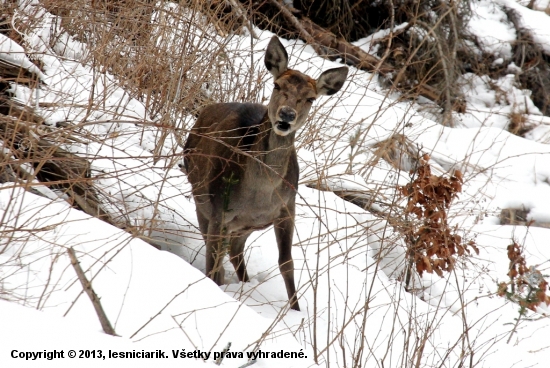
(331, 81)
(276, 58)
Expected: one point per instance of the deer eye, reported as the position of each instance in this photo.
(311, 100)
(276, 86)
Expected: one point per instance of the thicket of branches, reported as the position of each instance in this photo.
(422, 52)
(423, 49)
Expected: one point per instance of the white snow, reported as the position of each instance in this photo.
(349, 264)
(536, 22)
(490, 25)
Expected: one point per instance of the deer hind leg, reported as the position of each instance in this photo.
(284, 231)
(237, 256)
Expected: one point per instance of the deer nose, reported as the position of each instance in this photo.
(287, 114)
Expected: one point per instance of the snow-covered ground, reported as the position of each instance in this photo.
(349, 264)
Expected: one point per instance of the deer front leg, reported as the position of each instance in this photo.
(284, 231)
(237, 256)
(215, 250)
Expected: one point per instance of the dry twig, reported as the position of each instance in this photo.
(87, 286)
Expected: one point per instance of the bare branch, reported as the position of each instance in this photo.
(87, 286)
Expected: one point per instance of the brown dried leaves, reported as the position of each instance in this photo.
(433, 244)
(527, 285)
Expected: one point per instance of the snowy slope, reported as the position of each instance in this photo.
(348, 262)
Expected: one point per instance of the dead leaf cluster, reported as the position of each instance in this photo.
(433, 244)
(527, 285)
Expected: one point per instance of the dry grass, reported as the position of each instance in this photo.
(519, 124)
(134, 40)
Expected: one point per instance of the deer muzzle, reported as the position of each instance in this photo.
(287, 116)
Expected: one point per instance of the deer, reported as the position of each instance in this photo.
(242, 165)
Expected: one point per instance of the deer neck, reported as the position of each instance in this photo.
(274, 150)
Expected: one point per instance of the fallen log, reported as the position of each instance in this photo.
(53, 166)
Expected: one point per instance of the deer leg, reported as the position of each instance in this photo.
(203, 224)
(237, 256)
(215, 251)
(284, 230)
